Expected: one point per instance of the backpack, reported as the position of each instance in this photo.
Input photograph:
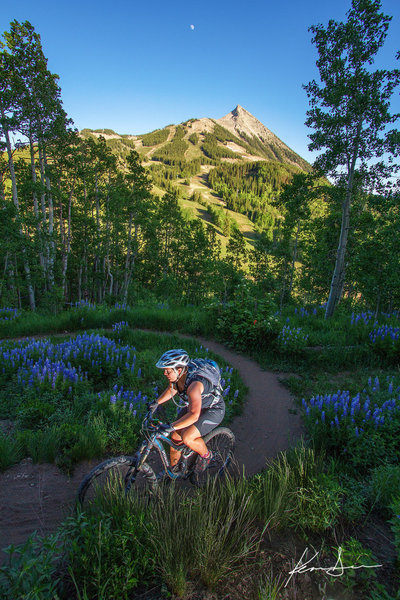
(207, 368)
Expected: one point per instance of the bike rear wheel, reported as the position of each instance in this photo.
(221, 442)
(113, 476)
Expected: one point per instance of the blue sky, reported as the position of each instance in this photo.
(133, 66)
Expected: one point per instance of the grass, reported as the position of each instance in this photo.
(10, 451)
(189, 319)
(207, 540)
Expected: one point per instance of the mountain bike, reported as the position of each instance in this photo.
(144, 471)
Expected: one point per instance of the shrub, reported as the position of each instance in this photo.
(247, 323)
(356, 564)
(31, 571)
(107, 551)
(385, 340)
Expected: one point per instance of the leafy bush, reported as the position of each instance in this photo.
(385, 340)
(31, 570)
(247, 323)
(351, 556)
(107, 552)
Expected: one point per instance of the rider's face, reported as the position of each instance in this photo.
(171, 375)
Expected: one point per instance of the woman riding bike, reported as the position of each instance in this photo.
(203, 409)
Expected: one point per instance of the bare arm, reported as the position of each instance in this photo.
(166, 395)
(194, 392)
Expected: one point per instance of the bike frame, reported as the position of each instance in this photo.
(156, 441)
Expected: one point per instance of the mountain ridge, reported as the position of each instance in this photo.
(242, 135)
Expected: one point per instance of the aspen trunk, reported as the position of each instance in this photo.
(338, 276)
(36, 203)
(67, 240)
(296, 243)
(127, 260)
(31, 293)
(51, 244)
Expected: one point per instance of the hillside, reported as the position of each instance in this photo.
(248, 165)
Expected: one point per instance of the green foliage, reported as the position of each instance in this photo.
(106, 131)
(31, 569)
(356, 498)
(395, 524)
(174, 151)
(247, 323)
(354, 135)
(292, 340)
(380, 593)
(385, 485)
(363, 428)
(293, 492)
(159, 136)
(10, 451)
(194, 138)
(222, 219)
(251, 188)
(359, 564)
(107, 552)
(214, 151)
(214, 534)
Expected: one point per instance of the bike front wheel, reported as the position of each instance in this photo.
(114, 477)
(221, 442)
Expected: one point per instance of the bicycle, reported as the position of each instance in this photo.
(140, 471)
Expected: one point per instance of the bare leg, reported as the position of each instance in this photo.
(174, 455)
(192, 438)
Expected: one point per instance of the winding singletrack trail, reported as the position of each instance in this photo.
(38, 497)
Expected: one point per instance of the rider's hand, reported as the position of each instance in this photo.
(153, 406)
(165, 428)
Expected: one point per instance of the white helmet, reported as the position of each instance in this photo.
(173, 359)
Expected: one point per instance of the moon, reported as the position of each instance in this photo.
(192, 27)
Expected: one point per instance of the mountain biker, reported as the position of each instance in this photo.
(203, 410)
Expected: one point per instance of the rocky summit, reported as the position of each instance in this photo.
(238, 136)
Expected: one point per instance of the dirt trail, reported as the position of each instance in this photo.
(39, 497)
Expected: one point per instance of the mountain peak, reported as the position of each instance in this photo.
(240, 122)
(239, 110)
(245, 126)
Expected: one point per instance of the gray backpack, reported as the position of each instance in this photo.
(207, 368)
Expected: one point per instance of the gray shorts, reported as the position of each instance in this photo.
(209, 417)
